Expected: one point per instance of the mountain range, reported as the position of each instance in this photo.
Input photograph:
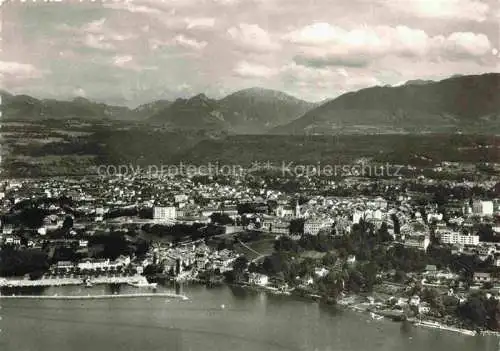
(461, 103)
(457, 104)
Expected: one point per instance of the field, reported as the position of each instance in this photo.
(72, 148)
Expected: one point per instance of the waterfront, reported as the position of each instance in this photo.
(221, 318)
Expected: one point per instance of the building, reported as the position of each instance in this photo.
(258, 279)
(482, 208)
(284, 212)
(277, 226)
(65, 266)
(454, 238)
(93, 265)
(420, 242)
(313, 226)
(480, 277)
(164, 213)
(180, 198)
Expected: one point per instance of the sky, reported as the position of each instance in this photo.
(133, 52)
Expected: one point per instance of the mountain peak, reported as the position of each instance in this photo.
(419, 82)
(200, 97)
(81, 100)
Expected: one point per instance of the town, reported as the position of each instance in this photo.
(406, 247)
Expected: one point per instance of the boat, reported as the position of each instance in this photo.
(88, 283)
(143, 284)
(376, 316)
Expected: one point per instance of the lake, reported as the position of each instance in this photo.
(213, 319)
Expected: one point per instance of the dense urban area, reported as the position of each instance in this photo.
(407, 247)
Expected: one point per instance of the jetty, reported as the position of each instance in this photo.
(437, 325)
(70, 281)
(93, 297)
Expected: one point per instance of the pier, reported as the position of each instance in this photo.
(94, 297)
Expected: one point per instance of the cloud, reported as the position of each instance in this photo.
(79, 92)
(189, 42)
(142, 7)
(252, 37)
(253, 70)
(97, 42)
(322, 44)
(331, 60)
(127, 62)
(465, 44)
(96, 26)
(97, 34)
(472, 10)
(121, 61)
(311, 51)
(20, 70)
(324, 82)
(200, 22)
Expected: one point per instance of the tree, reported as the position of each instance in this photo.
(400, 276)
(286, 244)
(68, 223)
(331, 285)
(383, 233)
(20, 262)
(397, 226)
(297, 226)
(474, 310)
(240, 264)
(221, 218)
(329, 259)
(434, 298)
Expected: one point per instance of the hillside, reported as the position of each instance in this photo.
(247, 111)
(462, 103)
(257, 109)
(469, 104)
(198, 112)
(24, 107)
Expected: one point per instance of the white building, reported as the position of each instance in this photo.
(258, 279)
(313, 226)
(434, 217)
(164, 213)
(450, 237)
(357, 216)
(93, 264)
(284, 212)
(482, 208)
(180, 198)
(276, 226)
(420, 242)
